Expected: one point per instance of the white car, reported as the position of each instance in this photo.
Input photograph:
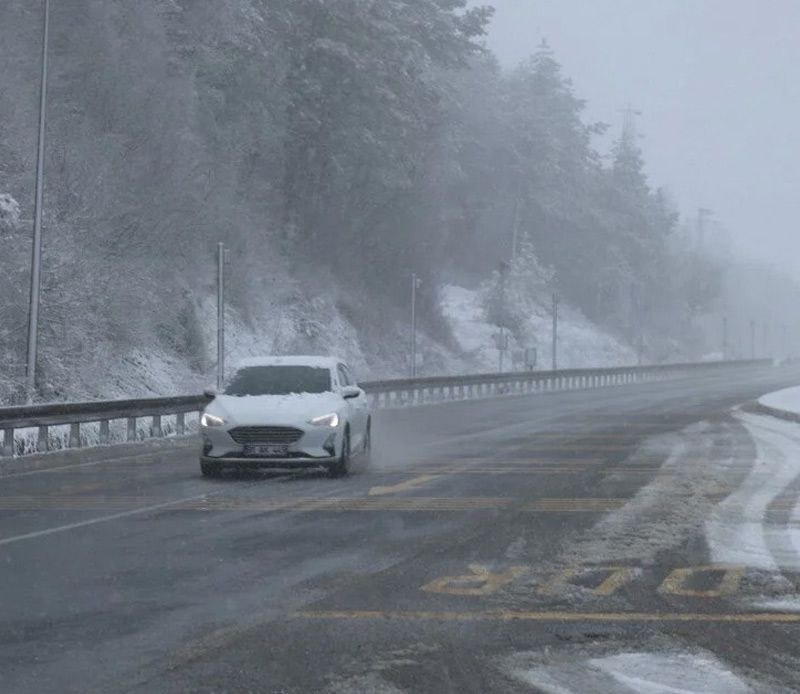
(287, 412)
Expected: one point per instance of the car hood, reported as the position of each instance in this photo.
(289, 410)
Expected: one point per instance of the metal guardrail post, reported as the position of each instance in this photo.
(75, 435)
(104, 432)
(8, 442)
(43, 439)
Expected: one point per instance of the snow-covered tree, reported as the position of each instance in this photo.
(9, 212)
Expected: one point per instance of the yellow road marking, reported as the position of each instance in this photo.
(480, 582)
(380, 502)
(508, 471)
(552, 616)
(574, 505)
(525, 462)
(326, 504)
(616, 578)
(406, 486)
(675, 583)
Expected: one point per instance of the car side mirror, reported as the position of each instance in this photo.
(210, 393)
(349, 392)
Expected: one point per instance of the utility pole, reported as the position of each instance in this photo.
(415, 283)
(515, 230)
(555, 331)
(36, 251)
(752, 339)
(501, 344)
(724, 337)
(221, 254)
(784, 341)
(765, 338)
(702, 213)
(636, 323)
(629, 135)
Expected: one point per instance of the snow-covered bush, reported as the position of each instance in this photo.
(9, 212)
(512, 295)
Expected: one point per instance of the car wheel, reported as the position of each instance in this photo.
(367, 451)
(341, 468)
(210, 469)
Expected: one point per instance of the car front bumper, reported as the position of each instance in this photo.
(298, 462)
(317, 446)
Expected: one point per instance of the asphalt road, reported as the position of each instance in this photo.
(519, 544)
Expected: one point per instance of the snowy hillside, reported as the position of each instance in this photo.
(320, 327)
(580, 344)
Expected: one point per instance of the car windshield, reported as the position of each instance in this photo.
(279, 380)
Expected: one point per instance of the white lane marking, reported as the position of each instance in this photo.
(93, 521)
(90, 463)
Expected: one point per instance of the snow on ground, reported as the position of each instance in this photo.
(716, 479)
(739, 530)
(633, 672)
(665, 512)
(787, 400)
(581, 343)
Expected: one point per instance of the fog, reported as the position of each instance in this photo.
(716, 84)
(338, 149)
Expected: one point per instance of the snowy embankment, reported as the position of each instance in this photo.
(286, 324)
(782, 403)
(321, 329)
(580, 342)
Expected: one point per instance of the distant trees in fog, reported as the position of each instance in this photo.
(329, 144)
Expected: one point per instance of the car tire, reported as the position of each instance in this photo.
(210, 469)
(341, 468)
(367, 450)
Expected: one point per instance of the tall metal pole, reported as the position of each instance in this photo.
(785, 341)
(515, 231)
(220, 316)
(724, 337)
(752, 339)
(555, 331)
(413, 338)
(501, 346)
(36, 251)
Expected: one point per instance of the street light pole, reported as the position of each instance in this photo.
(515, 230)
(413, 348)
(724, 338)
(220, 316)
(502, 339)
(555, 331)
(36, 251)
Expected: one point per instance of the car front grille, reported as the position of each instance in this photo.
(265, 435)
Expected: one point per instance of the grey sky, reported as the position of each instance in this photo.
(718, 86)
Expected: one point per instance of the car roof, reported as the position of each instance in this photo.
(319, 362)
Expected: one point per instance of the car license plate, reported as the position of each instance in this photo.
(267, 451)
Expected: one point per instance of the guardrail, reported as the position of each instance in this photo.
(383, 394)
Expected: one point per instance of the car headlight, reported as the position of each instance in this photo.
(326, 420)
(211, 420)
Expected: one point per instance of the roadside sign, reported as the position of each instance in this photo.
(524, 359)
